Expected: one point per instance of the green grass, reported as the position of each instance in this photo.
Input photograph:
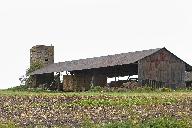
(8, 124)
(160, 122)
(54, 93)
(108, 98)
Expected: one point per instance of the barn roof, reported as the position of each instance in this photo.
(98, 62)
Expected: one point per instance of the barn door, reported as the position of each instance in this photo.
(174, 75)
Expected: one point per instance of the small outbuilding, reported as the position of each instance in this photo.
(188, 79)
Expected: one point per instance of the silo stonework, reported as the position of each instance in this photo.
(45, 55)
(42, 53)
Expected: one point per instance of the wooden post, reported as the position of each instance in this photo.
(93, 80)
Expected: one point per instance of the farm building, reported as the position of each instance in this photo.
(156, 67)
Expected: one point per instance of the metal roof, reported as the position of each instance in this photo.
(97, 62)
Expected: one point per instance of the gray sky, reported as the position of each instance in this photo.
(88, 28)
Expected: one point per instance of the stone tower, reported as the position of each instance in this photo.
(42, 53)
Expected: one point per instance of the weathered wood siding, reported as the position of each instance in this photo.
(162, 67)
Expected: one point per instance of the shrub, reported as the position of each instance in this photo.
(119, 125)
(166, 89)
(96, 89)
(87, 123)
(8, 125)
(19, 88)
(165, 122)
(33, 67)
(121, 89)
(143, 89)
(161, 122)
(26, 88)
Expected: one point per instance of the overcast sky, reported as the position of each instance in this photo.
(88, 28)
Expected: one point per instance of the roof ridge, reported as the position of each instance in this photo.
(98, 62)
(113, 55)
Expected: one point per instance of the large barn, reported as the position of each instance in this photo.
(156, 67)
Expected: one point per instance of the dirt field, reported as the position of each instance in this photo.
(29, 109)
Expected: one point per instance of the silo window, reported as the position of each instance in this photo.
(46, 59)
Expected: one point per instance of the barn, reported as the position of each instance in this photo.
(156, 67)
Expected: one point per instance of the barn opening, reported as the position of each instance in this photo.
(119, 81)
